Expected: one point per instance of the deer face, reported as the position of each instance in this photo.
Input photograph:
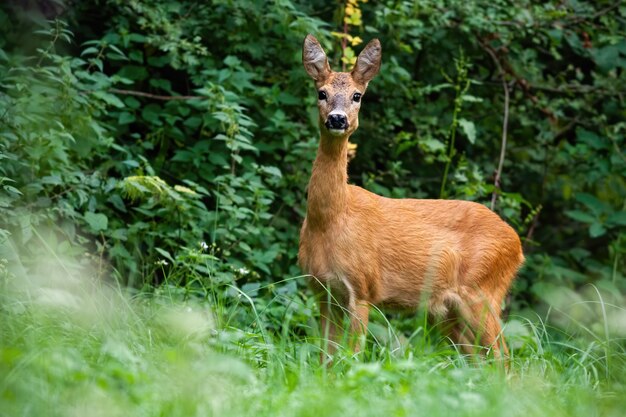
(339, 93)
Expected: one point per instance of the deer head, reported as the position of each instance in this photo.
(339, 93)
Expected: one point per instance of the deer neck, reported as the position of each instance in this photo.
(328, 187)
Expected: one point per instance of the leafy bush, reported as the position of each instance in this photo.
(173, 140)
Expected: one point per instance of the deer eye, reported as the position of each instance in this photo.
(322, 95)
(356, 97)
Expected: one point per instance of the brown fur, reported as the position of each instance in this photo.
(456, 258)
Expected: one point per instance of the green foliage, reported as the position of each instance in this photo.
(51, 139)
(173, 140)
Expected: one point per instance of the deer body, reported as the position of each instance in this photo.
(457, 258)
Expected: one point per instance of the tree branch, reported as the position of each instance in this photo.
(571, 89)
(505, 121)
(579, 19)
(567, 21)
(565, 89)
(153, 96)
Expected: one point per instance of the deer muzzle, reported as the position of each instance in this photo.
(337, 122)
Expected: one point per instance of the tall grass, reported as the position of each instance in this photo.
(78, 347)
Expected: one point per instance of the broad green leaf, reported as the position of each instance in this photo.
(606, 57)
(251, 288)
(596, 230)
(591, 139)
(133, 72)
(151, 113)
(274, 171)
(580, 216)
(89, 51)
(109, 98)
(126, 118)
(469, 129)
(593, 203)
(97, 221)
(617, 218)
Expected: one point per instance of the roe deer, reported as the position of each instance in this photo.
(456, 258)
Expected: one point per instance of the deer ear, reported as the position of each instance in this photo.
(368, 62)
(314, 59)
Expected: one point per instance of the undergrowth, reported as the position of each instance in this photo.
(74, 347)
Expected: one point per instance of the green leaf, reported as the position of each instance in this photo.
(12, 190)
(591, 139)
(132, 102)
(251, 288)
(133, 72)
(136, 56)
(232, 61)
(596, 230)
(125, 118)
(471, 99)
(469, 129)
(161, 83)
(117, 50)
(606, 57)
(151, 113)
(109, 99)
(164, 253)
(432, 145)
(593, 203)
(97, 221)
(580, 216)
(271, 170)
(218, 159)
(245, 247)
(89, 51)
(618, 218)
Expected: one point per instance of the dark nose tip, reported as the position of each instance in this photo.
(337, 121)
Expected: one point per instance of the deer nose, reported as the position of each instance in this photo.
(337, 121)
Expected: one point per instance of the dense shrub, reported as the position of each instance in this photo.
(173, 140)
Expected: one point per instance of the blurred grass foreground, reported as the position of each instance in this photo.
(71, 345)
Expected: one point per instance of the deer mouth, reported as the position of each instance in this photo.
(336, 132)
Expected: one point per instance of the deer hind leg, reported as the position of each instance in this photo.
(493, 338)
(462, 335)
(483, 318)
(446, 316)
(473, 324)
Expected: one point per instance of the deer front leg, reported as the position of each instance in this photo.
(333, 330)
(359, 317)
(331, 317)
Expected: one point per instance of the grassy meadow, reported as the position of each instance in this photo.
(74, 346)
